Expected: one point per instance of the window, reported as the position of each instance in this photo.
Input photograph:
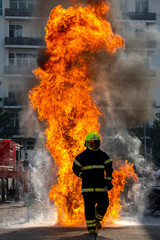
(13, 4)
(22, 59)
(15, 90)
(0, 7)
(11, 59)
(15, 30)
(22, 4)
(142, 6)
(26, 60)
(139, 33)
(33, 60)
(123, 5)
(13, 121)
(30, 4)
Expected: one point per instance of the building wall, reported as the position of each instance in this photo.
(32, 28)
(14, 76)
(2, 55)
(154, 6)
(131, 5)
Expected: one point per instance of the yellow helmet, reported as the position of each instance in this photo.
(92, 141)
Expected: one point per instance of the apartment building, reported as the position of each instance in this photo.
(141, 21)
(21, 36)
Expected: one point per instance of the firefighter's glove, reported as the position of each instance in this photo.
(108, 184)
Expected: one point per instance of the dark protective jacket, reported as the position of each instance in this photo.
(90, 166)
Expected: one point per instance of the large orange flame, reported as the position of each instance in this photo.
(63, 99)
(121, 174)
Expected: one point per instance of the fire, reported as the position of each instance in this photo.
(122, 172)
(63, 99)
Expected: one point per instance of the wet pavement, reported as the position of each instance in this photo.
(60, 233)
(18, 222)
(16, 213)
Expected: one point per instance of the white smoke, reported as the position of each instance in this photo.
(124, 92)
(123, 88)
(41, 170)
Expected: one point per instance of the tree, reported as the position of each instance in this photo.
(152, 140)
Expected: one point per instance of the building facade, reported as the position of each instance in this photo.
(141, 21)
(22, 34)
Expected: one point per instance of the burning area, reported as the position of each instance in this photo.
(63, 99)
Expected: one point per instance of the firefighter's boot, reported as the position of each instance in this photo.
(92, 231)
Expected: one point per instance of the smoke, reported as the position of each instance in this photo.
(123, 88)
(36, 210)
(43, 57)
(42, 176)
(44, 8)
(41, 163)
(93, 2)
(41, 169)
(123, 92)
(29, 122)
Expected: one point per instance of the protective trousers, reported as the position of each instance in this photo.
(96, 204)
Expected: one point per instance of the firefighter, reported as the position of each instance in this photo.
(91, 166)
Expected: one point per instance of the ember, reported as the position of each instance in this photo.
(63, 99)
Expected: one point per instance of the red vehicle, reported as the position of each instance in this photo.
(13, 174)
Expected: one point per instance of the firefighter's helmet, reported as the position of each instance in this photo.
(92, 141)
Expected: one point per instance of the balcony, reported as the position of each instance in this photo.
(18, 13)
(141, 44)
(11, 103)
(140, 16)
(24, 41)
(13, 70)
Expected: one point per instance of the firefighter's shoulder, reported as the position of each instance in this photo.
(81, 156)
(104, 155)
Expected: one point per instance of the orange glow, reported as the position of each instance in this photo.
(125, 171)
(62, 98)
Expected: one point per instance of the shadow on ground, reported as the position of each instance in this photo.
(87, 237)
(48, 233)
(58, 233)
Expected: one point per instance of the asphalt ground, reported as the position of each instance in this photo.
(60, 233)
(18, 222)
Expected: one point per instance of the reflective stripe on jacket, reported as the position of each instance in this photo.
(90, 166)
(93, 190)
